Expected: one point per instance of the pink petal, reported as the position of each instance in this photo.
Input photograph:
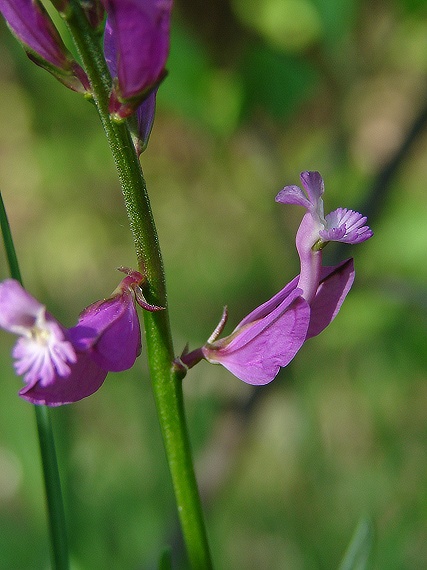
(335, 283)
(293, 195)
(256, 354)
(17, 307)
(313, 184)
(110, 331)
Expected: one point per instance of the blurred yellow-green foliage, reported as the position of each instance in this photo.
(257, 91)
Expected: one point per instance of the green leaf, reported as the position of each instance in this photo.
(359, 552)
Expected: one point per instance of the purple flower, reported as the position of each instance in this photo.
(54, 372)
(271, 335)
(32, 26)
(136, 46)
(62, 365)
(109, 330)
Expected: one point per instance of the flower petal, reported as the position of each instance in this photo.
(346, 226)
(45, 354)
(32, 25)
(145, 119)
(314, 185)
(86, 377)
(257, 352)
(110, 48)
(335, 283)
(141, 37)
(110, 331)
(18, 309)
(293, 195)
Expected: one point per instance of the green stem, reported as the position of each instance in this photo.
(166, 380)
(8, 243)
(52, 482)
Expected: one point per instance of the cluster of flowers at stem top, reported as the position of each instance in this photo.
(136, 46)
(61, 365)
(271, 335)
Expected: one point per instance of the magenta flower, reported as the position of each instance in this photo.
(109, 330)
(32, 26)
(54, 372)
(136, 46)
(271, 335)
(62, 365)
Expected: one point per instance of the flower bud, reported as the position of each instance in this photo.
(136, 47)
(32, 26)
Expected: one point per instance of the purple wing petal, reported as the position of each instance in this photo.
(334, 285)
(110, 49)
(257, 353)
(110, 331)
(86, 377)
(145, 118)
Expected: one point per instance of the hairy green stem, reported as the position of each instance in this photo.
(52, 482)
(166, 379)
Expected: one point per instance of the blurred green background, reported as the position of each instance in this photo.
(257, 91)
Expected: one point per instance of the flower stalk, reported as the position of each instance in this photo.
(52, 482)
(166, 379)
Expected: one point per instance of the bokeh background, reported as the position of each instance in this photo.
(256, 92)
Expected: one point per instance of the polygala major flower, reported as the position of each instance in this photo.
(61, 365)
(270, 336)
(109, 329)
(54, 372)
(33, 27)
(136, 46)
